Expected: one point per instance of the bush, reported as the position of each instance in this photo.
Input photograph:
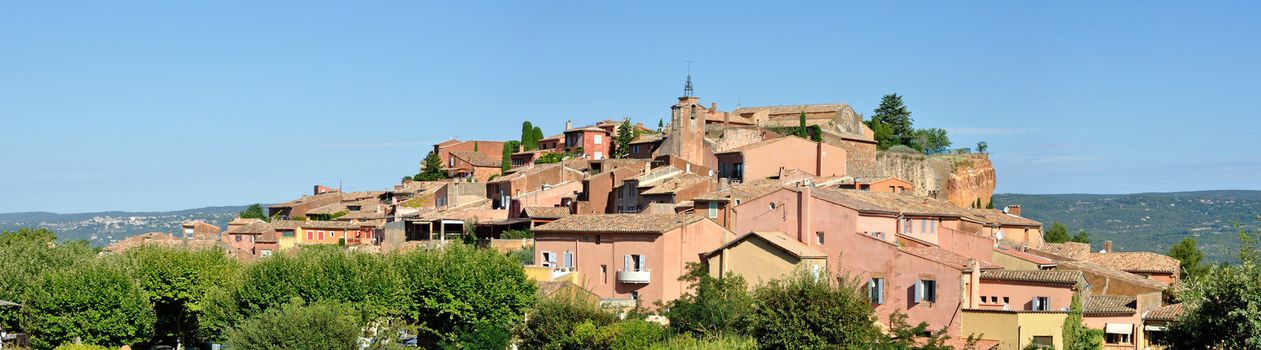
(550, 158)
(297, 326)
(91, 302)
(81, 347)
(562, 321)
(631, 335)
(176, 281)
(902, 149)
(516, 234)
(802, 312)
(25, 256)
(720, 343)
(715, 308)
(524, 255)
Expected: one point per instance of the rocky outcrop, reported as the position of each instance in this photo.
(960, 179)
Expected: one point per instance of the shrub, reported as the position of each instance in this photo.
(81, 347)
(297, 326)
(716, 307)
(903, 149)
(176, 281)
(801, 311)
(720, 343)
(562, 321)
(516, 234)
(524, 255)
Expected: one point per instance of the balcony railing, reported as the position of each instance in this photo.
(635, 276)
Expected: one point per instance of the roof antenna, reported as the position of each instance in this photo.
(687, 88)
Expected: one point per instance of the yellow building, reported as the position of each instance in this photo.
(763, 256)
(1016, 329)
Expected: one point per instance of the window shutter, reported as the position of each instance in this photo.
(627, 266)
(880, 290)
(1047, 301)
(1036, 307)
(643, 263)
(919, 291)
(569, 259)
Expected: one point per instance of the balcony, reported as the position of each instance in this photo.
(634, 276)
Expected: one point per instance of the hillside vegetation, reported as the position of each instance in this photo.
(1149, 221)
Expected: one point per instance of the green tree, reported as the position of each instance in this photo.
(893, 112)
(660, 125)
(1056, 234)
(1076, 335)
(883, 134)
(510, 147)
(176, 281)
(801, 127)
(460, 288)
(902, 336)
(982, 147)
(1189, 257)
(625, 134)
(26, 255)
(527, 136)
(1081, 237)
(315, 274)
(804, 312)
(1222, 310)
(931, 141)
(254, 211)
(92, 302)
(716, 308)
(538, 135)
(431, 169)
(298, 327)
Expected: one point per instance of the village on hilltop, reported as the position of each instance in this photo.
(759, 192)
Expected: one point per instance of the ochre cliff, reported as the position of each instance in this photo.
(961, 179)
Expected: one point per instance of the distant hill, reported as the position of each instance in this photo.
(103, 228)
(1148, 221)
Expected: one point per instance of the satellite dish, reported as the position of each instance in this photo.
(999, 235)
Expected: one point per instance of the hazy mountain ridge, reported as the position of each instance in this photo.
(103, 228)
(1149, 221)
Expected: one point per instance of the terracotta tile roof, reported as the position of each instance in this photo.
(945, 257)
(448, 142)
(1165, 313)
(243, 221)
(1043, 276)
(646, 138)
(554, 137)
(329, 209)
(885, 202)
(779, 240)
(623, 223)
(478, 159)
(546, 212)
(994, 216)
(677, 183)
(1109, 304)
(743, 191)
(309, 199)
(254, 228)
(1068, 250)
(1015, 253)
(163, 240)
(1109, 272)
(1137, 262)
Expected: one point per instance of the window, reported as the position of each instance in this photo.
(310, 235)
(599, 155)
(264, 252)
(816, 271)
(932, 226)
(450, 162)
(1043, 341)
(634, 149)
(286, 233)
(238, 237)
(635, 263)
(634, 295)
(1006, 303)
(906, 225)
(604, 274)
(926, 291)
(818, 237)
(599, 139)
(1114, 338)
(569, 260)
(713, 210)
(923, 225)
(772, 205)
(597, 239)
(738, 170)
(548, 259)
(878, 235)
(320, 234)
(875, 290)
(1040, 304)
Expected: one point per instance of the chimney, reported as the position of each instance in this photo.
(804, 210)
(974, 284)
(647, 168)
(687, 168)
(818, 159)
(724, 183)
(713, 106)
(520, 148)
(1013, 209)
(568, 125)
(1107, 246)
(781, 174)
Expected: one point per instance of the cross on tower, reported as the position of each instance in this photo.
(687, 88)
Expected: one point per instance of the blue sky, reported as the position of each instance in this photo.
(165, 105)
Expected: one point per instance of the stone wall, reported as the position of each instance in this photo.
(913, 168)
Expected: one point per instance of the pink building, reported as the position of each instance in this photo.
(764, 159)
(595, 141)
(627, 256)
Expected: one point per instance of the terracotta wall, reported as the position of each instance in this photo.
(1020, 295)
